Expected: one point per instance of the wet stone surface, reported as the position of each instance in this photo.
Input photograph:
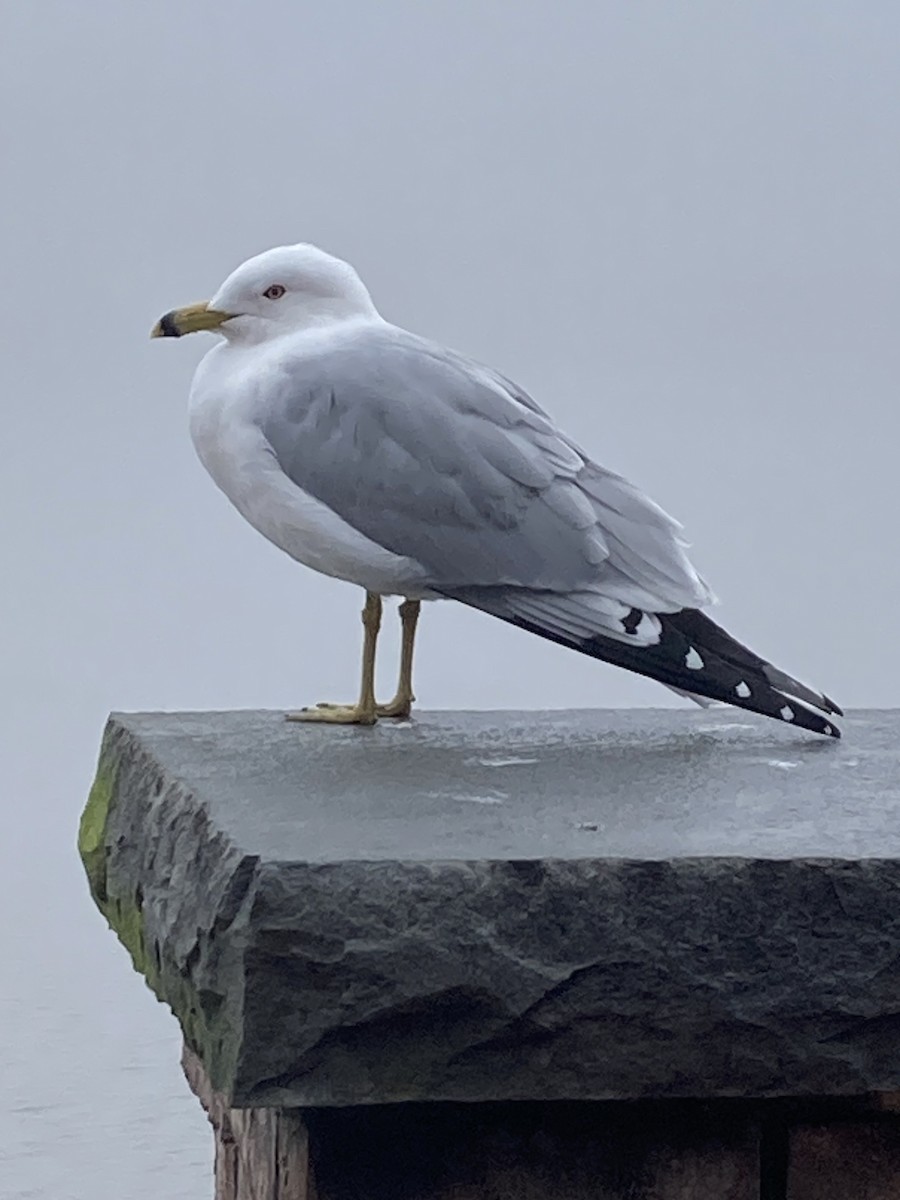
(492, 906)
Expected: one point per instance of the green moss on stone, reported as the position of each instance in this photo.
(126, 918)
(203, 1022)
(202, 1016)
(92, 828)
(123, 914)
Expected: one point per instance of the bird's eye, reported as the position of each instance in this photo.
(274, 292)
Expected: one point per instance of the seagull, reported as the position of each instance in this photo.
(378, 457)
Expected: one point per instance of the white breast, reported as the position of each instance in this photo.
(231, 446)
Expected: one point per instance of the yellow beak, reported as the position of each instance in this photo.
(191, 319)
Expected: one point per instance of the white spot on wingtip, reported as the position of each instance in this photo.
(787, 713)
(829, 730)
(742, 690)
(693, 661)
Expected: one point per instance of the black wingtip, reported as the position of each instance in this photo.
(693, 655)
(812, 721)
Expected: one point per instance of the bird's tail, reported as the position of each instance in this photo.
(695, 655)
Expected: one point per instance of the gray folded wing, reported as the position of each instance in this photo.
(446, 462)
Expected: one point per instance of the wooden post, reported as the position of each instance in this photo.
(261, 1153)
(851, 1160)
(503, 1151)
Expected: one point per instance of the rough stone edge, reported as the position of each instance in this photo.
(301, 1085)
(190, 968)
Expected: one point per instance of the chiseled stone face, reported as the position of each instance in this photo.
(510, 906)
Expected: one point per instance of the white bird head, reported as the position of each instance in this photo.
(279, 291)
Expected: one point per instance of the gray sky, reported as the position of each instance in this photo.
(676, 224)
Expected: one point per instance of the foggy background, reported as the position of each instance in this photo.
(676, 224)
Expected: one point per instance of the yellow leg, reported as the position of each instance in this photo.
(364, 712)
(401, 705)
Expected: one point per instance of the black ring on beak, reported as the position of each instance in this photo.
(167, 326)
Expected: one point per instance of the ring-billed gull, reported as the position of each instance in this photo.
(378, 457)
